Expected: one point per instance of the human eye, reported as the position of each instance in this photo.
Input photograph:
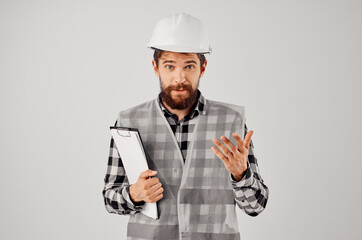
(190, 67)
(169, 67)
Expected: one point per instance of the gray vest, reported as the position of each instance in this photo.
(198, 200)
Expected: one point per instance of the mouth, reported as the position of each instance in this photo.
(180, 90)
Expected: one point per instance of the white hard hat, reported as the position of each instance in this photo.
(180, 32)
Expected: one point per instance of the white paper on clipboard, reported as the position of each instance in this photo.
(130, 149)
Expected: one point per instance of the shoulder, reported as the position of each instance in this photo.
(216, 107)
(140, 110)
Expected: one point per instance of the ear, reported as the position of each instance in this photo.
(203, 68)
(155, 68)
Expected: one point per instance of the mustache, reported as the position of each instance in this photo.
(180, 86)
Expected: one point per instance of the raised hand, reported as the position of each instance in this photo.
(235, 158)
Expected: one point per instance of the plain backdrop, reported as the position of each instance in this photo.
(68, 67)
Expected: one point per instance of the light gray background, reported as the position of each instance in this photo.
(68, 67)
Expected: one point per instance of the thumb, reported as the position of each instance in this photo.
(148, 173)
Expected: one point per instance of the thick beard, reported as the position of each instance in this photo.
(179, 105)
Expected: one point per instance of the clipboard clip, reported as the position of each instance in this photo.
(122, 134)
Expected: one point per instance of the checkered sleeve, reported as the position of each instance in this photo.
(116, 189)
(251, 194)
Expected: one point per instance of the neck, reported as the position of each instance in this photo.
(179, 113)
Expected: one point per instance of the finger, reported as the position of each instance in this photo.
(239, 142)
(159, 197)
(220, 155)
(248, 139)
(159, 191)
(228, 143)
(152, 181)
(221, 146)
(155, 187)
(148, 173)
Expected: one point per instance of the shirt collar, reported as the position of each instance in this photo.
(198, 109)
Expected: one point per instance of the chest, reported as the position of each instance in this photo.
(182, 154)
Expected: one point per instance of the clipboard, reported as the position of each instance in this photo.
(131, 150)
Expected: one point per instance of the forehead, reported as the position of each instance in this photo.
(178, 57)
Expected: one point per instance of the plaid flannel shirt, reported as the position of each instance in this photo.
(183, 129)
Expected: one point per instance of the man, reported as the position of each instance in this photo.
(196, 179)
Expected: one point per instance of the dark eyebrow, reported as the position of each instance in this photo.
(168, 61)
(171, 61)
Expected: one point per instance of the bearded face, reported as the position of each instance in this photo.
(179, 75)
(180, 96)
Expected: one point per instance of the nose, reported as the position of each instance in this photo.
(180, 76)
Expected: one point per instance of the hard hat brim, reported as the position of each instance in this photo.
(181, 49)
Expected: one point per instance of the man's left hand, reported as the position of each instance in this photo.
(234, 158)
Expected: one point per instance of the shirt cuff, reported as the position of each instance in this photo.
(246, 180)
(137, 205)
